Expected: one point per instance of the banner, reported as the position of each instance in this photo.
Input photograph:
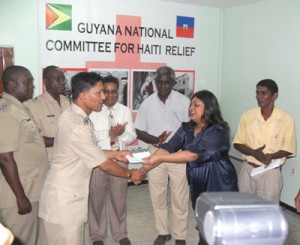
(128, 39)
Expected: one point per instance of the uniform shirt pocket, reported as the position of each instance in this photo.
(28, 130)
(73, 203)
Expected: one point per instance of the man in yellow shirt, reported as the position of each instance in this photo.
(264, 134)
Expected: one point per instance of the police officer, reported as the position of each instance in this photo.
(47, 107)
(23, 158)
(64, 199)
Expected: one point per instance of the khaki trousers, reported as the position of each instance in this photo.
(174, 175)
(107, 193)
(24, 227)
(266, 185)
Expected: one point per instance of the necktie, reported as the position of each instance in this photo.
(114, 142)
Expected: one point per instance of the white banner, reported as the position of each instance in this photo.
(128, 39)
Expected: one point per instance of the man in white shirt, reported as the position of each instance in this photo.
(159, 117)
(113, 127)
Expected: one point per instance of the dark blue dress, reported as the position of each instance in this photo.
(212, 170)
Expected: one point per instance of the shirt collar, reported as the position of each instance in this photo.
(48, 96)
(275, 113)
(12, 99)
(113, 107)
(78, 110)
(169, 97)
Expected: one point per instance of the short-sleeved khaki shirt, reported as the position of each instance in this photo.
(20, 135)
(65, 194)
(46, 112)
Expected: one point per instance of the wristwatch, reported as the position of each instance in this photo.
(128, 174)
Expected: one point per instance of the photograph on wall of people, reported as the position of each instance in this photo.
(6, 60)
(122, 75)
(143, 85)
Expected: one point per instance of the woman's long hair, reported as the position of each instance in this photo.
(212, 113)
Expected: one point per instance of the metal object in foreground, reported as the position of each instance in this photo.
(231, 218)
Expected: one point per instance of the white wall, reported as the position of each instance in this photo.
(262, 40)
(208, 75)
(18, 28)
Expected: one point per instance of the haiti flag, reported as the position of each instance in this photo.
(185, 27)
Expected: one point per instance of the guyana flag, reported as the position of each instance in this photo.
(58, 17)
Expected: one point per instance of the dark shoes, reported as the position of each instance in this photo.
(180, 242)
(125, 241)
(202, 241)
(162, 239)
(98, 243)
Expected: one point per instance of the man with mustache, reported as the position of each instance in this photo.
(64, 199)
(264, 134)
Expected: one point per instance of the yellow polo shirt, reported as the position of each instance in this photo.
(277, 133)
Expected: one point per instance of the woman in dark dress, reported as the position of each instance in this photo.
(204, 144)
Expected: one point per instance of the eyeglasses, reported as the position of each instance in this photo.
(110, 91)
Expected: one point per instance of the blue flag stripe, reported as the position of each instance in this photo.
(182, 20)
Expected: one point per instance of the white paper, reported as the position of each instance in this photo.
(274, 164)
(137, 157)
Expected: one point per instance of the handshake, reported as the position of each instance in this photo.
(138, 158)
(137, 175)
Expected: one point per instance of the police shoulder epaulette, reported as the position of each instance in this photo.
(87, 121)
(3, 104)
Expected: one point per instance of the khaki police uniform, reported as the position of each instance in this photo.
(46, 111)
(64, 198)
(20, 135)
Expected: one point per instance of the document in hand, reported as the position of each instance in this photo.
(274, 164)
(137, 157)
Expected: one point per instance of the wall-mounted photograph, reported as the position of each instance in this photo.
(6, 60)
(122, 76)
(143, 85)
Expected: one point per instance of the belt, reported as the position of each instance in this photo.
(253, 165)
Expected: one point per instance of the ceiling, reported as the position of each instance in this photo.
(214, 3)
